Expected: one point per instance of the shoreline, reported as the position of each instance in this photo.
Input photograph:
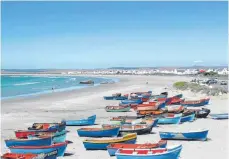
(82, 86)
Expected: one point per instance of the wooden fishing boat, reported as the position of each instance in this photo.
(176, 101)
(136, 128)
(49, 155)
(138, 101)
(188, 118)
(116, 96)
(38, 141)
(25, 133)
(102, 143)
(170, 119)
(98, 132)
(148, 106)
(155, 113)
(48, 126)
(201, 113)
(56, 137)
(87, 82)
(132, 117)
(60, 147)
(167, 101)
(112, 148)
(140, 93)
(82, 122)
(195, 103)
(117, 108)
(219, 116)
(175, 109)
(132, 106)
(195, 135)
(158, 153)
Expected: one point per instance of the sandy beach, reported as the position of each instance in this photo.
(20, 113)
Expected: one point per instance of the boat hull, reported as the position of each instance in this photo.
(201, 135)
(103, 146)
(29, 142)
(101, 133)
(170, 154)
(126, 109)
(188, 118)
(113, 150)
(40, 149)
(175, 120)
(115, 98)
(82, 122)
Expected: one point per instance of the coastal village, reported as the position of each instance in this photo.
(149, 71)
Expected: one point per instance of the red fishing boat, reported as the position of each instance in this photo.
(112, 148)
(149, 106)
(18, 156)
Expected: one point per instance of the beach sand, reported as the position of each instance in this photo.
(20, 113)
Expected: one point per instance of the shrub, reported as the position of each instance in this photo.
(181, 85)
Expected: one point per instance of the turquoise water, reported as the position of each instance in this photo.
(14, 86)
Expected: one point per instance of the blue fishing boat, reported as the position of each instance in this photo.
(195, 135)
(188, 118)
(162, 105)
(60, 147)
(115, 97)
(157, 153)
(138, 101)
(102, 143)
(82, 122)
(56, 137)
(219, 116)
(170, 119)
(43, 141)
(98, 132)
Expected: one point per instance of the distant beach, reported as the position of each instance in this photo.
(20, 113)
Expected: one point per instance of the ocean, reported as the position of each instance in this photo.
(17, 85)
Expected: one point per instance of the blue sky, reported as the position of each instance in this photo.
(106, 34)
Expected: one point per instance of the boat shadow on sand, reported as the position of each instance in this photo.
(68, 154)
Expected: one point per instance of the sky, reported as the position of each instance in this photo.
(41, 35)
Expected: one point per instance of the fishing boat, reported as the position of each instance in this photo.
(195, 103)
(132, 117)
(167, 101)
(132, 106)
(219, 116)
(158, 153)
(98, 132)
(136, 128)
(176, 101)
(138, 101)
(175, 109)
(140, 93)
(49, 155)
(102, 143)
(201, 113)
(48, 126)
(82, 122)
(112, 148)
(56, 137)
(25, 133)
(170, 119)
(117, 108)
(188, 118)
(195, 135)
(116, 96)
(60, 147)
(148, 106)
(155, 113)
(87, 82)
(38, 141)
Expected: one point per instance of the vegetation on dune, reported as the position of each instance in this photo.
(194, 87)
(181, 85)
